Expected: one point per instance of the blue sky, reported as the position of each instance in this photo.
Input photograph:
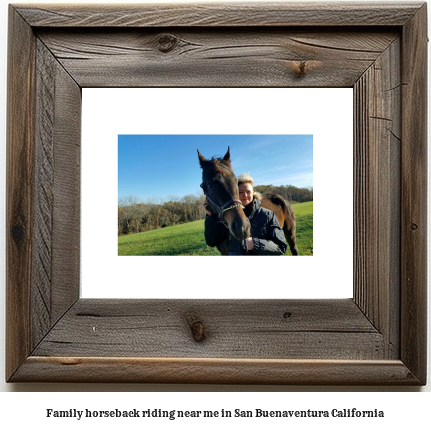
(164, 166)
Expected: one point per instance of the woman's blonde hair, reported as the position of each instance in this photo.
(247, 179)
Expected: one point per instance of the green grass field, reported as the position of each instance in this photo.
(188, 239)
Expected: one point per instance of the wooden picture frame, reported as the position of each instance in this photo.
(378, 337)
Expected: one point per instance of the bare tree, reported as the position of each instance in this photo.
(131, 212)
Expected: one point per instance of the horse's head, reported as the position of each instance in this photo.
(220, 186)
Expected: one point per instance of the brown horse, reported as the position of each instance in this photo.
(285, 216)
(220, 186)
(221, 190)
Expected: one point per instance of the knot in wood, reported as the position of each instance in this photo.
(197, 328)
(167, 42)
(299, 68)
(18, 233)
(414, 226)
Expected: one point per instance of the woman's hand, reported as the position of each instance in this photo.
(250, 243)
(206, 209)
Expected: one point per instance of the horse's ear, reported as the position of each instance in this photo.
(227, 155)
(202, 159)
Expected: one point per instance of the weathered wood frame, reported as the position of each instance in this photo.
(378, 337)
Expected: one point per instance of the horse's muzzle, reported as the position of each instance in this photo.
(240, 228)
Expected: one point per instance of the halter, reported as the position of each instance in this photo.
(229, 205)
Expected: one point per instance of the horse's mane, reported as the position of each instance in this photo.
(222, 166)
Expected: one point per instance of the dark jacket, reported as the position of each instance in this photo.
(268, 236)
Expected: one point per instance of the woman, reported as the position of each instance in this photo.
(267, 237)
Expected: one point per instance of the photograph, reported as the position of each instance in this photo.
(209, 195)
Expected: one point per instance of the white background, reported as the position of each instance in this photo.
(327, 114)
(404, 409)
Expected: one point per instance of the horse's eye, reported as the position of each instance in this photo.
(210, 186)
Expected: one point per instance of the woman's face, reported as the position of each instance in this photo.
(245, 193)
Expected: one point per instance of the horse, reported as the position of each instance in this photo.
(220, 187)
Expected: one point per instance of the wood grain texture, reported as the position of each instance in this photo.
(413, 195)
(43, 191)
(216, 58)
(234, 329)
(67, 199)
(377, 149)
(19, 200)
(378, 337)
(220, 15)
(44, 195)
(55, 279)
(215, 371)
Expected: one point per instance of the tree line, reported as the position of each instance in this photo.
(291, 193)
(135, 216)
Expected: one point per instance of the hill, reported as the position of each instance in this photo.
(188, 239)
